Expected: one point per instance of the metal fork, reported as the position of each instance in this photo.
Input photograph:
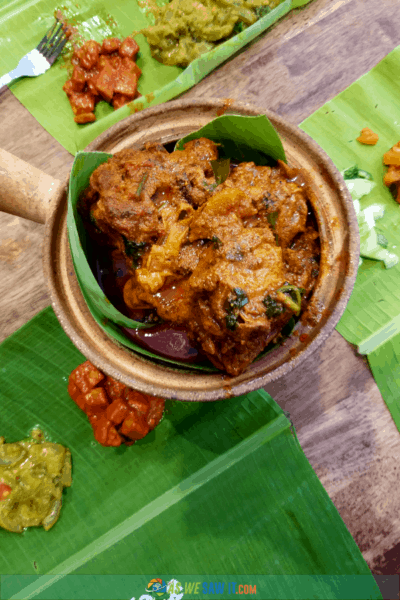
(38, 60)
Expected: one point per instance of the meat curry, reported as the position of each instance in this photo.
(231, 262)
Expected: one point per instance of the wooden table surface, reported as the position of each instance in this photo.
(343, 424)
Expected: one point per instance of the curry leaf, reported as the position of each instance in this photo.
(141, 184)
(221, 168)
(272, 218)
(134, 250)
(239, 27)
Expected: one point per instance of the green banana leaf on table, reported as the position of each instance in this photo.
(217, 488)
(372, 317)
(43, 96)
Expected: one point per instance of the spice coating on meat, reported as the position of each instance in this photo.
(232, 263)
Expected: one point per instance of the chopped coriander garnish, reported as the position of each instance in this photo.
(355, 173)
(273, 308)
(134, 250)
(240, 300)
(231, 322)
(235, 302)
(216, 242)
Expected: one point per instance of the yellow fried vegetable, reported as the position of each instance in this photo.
(160, 261)
(392, 157)
(224, 202)
(368, 137)
(392, 178)
(33, 473)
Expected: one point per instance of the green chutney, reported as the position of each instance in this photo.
(33, 473)
(185, 29)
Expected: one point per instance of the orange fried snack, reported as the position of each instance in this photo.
(102, 72)
(392, 178)
(368, 137)
(117, 413)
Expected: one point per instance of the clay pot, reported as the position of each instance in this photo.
(32, 194)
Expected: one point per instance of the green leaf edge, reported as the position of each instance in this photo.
(105, 314)
(265, 141)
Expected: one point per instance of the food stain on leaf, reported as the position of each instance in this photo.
(134, 108)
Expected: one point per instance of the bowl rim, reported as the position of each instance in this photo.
(226, 389)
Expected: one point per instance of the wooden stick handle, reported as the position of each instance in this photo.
(24, 190)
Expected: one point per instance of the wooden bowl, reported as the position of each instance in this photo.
(338, 228)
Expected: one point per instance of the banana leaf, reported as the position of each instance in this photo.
(372, 315)
(218, 488)
(385, 366)
(234, 133)
(27, 22)
(241, 138)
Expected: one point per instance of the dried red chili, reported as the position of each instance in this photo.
(117, 413)
(5, 491)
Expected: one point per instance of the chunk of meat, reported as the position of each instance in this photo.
(231, 263)
(82, 102)
(88, 54)
(128, 48)
(110, 45)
